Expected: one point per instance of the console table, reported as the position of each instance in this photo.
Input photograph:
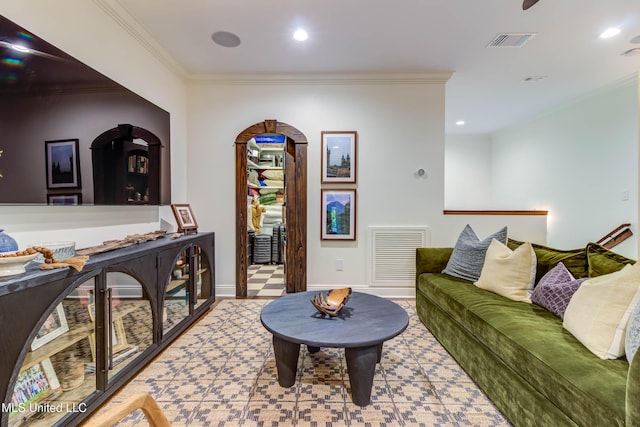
(80, 336)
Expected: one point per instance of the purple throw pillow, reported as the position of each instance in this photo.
(555, 289)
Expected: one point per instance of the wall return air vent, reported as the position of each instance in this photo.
(510, 40)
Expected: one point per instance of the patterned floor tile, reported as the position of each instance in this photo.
(222, 373)
(404, 372)
(271, 391)
(162, 370)
(328, 392)
(413, 392)
(374, 415)
(481, 415)
(428, 415)
(216, 413)
(460, 394)
(183, 391)
(229, 390)
(320, 413)
(270, 292)
(442, 372)
(268, 414)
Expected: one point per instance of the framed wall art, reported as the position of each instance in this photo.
(64, 199)
(184, 217)
(338, 156)
(52, 328)
(338, 216)
(63, 163)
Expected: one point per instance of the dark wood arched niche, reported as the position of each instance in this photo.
(295, 201)
(125, 172)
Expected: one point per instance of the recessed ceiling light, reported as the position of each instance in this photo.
(225, 39)
(610, 32)
(460, 123)
(300, 35)
(20, 48)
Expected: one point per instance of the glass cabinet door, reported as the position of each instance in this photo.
(176, 295)
(129, 321)
(189, 286)
(203, 277)
(59, 370)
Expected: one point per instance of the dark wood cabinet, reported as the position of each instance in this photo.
(71, 339)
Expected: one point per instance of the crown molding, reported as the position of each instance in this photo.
(324, 79)
(134, 29)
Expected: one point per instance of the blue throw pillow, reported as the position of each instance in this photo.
(468, 254)
(632, 341)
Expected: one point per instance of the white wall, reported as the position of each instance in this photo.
(576, 162)
(85, 31)
(400, 129)
(467, 172)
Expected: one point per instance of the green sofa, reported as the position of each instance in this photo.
(532, 369)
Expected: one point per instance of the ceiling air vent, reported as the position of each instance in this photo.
(510, 40)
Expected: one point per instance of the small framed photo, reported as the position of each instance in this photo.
(63, 163)
(52, 328)
(338, 214)
(64, 199)
(339, 157)
(33, 385)
(184, 217)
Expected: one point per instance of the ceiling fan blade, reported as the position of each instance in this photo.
(526, 4)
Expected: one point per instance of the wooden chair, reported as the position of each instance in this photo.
(144, 402)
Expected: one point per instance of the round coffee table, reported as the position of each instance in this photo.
(362, 326)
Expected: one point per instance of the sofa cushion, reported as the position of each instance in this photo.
(575, 259)
(509, 273)
(601, 260)
(532, 342)
(598, 313)
(555, 289)
(468, 254)
(632, 339)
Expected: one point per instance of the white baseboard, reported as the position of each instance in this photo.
(229, 290)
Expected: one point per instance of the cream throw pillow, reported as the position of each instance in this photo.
(598, 312)
(509, 273)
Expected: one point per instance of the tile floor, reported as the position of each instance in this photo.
(222, 373)
(265, 280)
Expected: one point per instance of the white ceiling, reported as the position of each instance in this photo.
(409, 36)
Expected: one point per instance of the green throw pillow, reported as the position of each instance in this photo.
(574, 259)
(604, 261)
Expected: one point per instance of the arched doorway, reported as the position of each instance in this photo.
(126, 167)
(295, 153)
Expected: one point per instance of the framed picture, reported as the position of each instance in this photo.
(338, 214)
(64, 199)
(52, 328)
(118, 334)
(34, 384)
(339, 157)
(63, 163)
(184, 217)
